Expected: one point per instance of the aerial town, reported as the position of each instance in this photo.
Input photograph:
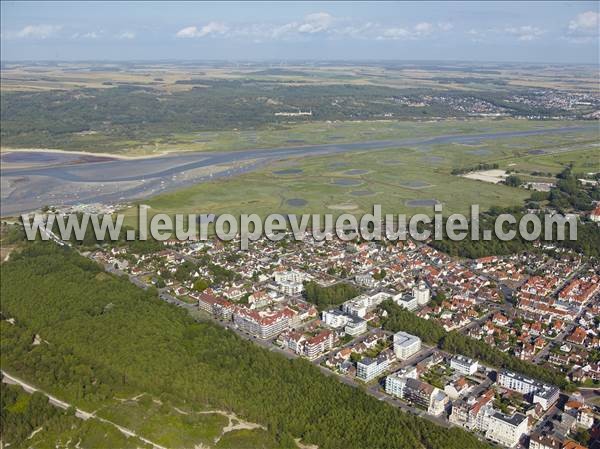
(541, 306)
(300, 225)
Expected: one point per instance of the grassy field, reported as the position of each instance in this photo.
(299, 134)
(393, 178)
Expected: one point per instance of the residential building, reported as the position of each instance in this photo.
(408, 302)
(362, 304)
(290, 282)
(223, 309)
(438, 403)
(405, 345)
(357, 306)
(369, 368)
(419, 393)
(395, 383)
(421, 293)
(540, 393)
(355, 326)
(318, 344)
(473, 413)
(206, 301)
(464, 365)
(546, 395)
(543, 441)
(334, 318)
(585, 418)
(366, 280)
(218, 307)
(263, 324)
(506, 430)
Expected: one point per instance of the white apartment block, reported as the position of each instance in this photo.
(357, 306)
(516, 382)
(355, 326)
(290, 282)
(438, 403)
(290, 288)
(366, 280)
(263, 324)
(464, 365)
(289, 276)
(368, 369)
(421, 293)
(540, 393)
(334, 318)
(406, 301)
(506, 430)
(362, 304)
(405, 345)
(405, 385)
(395, 383)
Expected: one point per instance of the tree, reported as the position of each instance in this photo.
(513, 181)
(326, 297)
(200, 285)
(379, 275)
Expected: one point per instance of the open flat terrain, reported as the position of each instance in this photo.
(402, 180)
(149, 109)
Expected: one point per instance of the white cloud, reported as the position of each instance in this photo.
(356, 31)
(39, 31)
(315, 23)
(321, 23)
(420, 30)
(445, 26)
(394, 33)
(423, 28)
(588, 21)
(214, 28)
(187, 32)
(210, 29)
(525, 32)
(88, 35)
(584, 29)
(126, 35)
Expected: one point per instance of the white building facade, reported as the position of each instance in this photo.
(405, 345)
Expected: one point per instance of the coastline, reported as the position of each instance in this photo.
(4, 150)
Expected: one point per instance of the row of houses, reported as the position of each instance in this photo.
(308, 346)
(479, 414)
(538, 393)
(265, 324)
(405, 385)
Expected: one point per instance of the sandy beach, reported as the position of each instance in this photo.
(4, 150)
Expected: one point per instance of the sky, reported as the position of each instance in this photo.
(555, 31)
